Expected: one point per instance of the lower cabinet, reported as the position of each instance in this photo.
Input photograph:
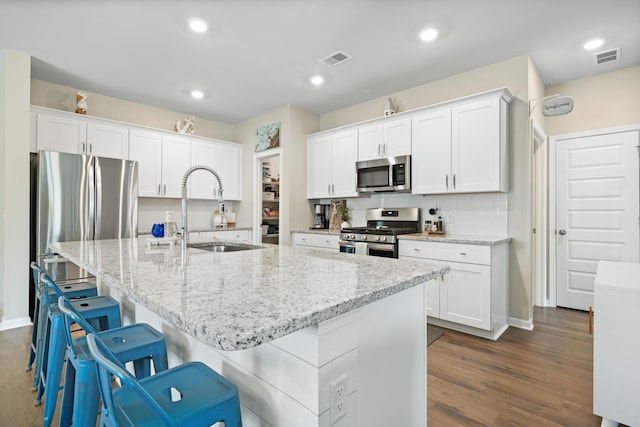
(240, 235)
(473, 296)
(327, 242)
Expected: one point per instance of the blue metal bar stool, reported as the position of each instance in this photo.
(71, 290)
(200, 397)
(93, 308)
(138, 343)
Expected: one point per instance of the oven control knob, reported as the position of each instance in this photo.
(364, 237)
(383, 238)
(377, 238)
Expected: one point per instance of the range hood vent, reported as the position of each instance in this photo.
(607, 56)
(335, 58)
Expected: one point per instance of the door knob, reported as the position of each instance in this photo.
(562, 232)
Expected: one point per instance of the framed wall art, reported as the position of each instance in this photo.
(267, 136)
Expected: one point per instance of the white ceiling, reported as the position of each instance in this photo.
(259, 54)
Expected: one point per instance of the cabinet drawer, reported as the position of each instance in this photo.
(316, 240)
(473, 254)
(241, 235)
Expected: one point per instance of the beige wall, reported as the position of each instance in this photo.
(507, 73)
(607, 100)
(294, 209)
(15, 72)
(513, 74)
(59, 97)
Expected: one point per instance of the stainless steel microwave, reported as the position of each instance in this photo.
(390, 174)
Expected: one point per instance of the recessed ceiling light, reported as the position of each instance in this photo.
(197, 94)
(593, 44)
(428, 35)
(198, 25)
(317, 80)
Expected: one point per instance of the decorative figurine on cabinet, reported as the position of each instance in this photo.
(390, 107)
(81, 102)
(185, 125)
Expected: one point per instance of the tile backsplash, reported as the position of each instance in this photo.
(480, 214)
(152, 210)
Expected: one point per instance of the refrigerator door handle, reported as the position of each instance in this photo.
(93, 189)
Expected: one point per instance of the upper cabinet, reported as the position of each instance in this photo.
(459, 146)
(461, 149)
(176, 159)
(390, 138)
(331, 160)
(81, 136)
(163, 157)
(146, 147)
(226, 160)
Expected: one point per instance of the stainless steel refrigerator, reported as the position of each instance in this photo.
(82, 198)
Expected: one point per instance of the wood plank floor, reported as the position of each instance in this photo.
(537, 378)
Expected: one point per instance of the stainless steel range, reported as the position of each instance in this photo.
(379, 237)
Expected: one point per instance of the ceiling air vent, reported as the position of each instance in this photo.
(335, 58)
(607, 56)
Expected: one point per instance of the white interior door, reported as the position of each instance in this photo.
(597, 215)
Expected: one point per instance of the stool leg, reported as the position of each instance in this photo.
(160, 361)
(42, 335)
(142, 367)
(66, 407)
(34, 334)
(86, 396)
(55, 362)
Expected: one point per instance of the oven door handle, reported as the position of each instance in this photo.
(387, 247)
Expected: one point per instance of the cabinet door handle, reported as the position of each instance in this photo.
(591, 313)
(446, 181)
(379, 153)
(333, 189)
(384, 149)
(416, 249)
(454, 181)
(90, 148)
(165, 189)
(159, 192)
(83, 147)
(463, 253)
(328, 188)
(562, 232)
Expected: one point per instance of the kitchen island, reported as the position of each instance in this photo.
(311, 338)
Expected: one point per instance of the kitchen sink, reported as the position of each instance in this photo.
(223, 246)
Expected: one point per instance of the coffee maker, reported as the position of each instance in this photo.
(320, 218)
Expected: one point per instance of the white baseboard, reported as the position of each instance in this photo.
(521, 324)
(15, 323)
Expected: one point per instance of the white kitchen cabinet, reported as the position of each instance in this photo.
(431, 152)
(176, 160)
(462, 148)
(60, 132)
(162, 161)
(107, 140)
(240, 235)
(146, 148)
(479, 146)
(331, 160)
(64, 134)
(616, 343)
(328, 242)
(389, 138)
(473, 296)
(225, 159)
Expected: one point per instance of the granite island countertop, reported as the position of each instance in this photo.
(456, 238)
(238, 300)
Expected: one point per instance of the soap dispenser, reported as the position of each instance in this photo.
(170, 229)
